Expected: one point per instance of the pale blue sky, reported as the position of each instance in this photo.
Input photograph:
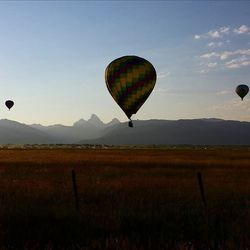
(53, 55)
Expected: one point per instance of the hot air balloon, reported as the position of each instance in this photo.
(130, 80)
(242, 90)
(9, 104)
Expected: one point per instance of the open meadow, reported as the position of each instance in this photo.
(129, 198)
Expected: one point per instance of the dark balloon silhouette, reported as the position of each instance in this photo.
(242, 90)
(130, 80)
(9, 104)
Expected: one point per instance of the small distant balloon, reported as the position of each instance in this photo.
(130, 80)
(9, 104)
(242, 90)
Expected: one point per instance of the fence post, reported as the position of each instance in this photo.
(75, 190)
(201, 187)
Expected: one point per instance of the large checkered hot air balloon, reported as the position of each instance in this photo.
(130, 80)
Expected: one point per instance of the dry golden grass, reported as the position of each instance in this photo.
(129, 199)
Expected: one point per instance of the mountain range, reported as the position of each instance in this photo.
(145, 132)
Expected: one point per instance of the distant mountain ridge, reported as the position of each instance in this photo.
(203, 131)
(185, 131)
(12, 132)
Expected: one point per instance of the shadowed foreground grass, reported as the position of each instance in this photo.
(129, 199)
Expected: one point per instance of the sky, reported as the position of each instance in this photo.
(53, 55)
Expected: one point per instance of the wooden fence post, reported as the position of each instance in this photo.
(75, 190)
(201, 187)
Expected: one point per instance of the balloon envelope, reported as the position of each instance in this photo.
(9, 104)
(242, 90)
(130, 80)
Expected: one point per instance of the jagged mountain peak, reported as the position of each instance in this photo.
(80, 123)
(113, 122)
(95, 120)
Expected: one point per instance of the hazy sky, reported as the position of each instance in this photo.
(53, 55)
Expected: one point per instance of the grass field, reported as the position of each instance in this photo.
(129, 199)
